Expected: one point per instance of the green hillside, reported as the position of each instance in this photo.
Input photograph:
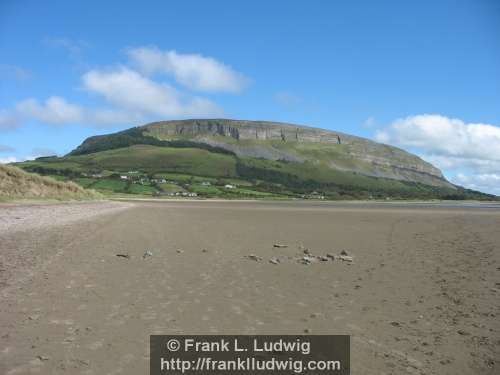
(249, 159)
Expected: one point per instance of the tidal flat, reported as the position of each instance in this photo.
(415, 285)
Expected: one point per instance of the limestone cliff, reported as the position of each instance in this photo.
(280, 141)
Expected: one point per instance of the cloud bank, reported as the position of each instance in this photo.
(195, 72)
(55, 110)
(127, 89)
(8, 159)
(132, 93)
(471, 150)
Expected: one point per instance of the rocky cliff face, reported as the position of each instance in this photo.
(242, 130)
(280, 141)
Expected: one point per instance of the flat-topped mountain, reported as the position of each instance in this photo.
(258, 159)
(282, 142)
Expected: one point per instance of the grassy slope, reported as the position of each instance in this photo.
(18, 184)
(267, 176)
(145, 158)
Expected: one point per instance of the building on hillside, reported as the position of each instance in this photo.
(313, 195)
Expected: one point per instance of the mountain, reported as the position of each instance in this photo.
(266, 157)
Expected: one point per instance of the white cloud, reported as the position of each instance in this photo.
(134, 97)
(471, 149)
(135, 93)
(8, 159)
(454, 162)
(440, 135)
(489, 182)
(196, 72)
(58, 111)
(55, 110)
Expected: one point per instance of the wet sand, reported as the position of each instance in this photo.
(422, 295)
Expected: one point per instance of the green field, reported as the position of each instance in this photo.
(160, 159)
(110, 185)
(140, 189)
(206, 190)
(187, 168)
(171, 188)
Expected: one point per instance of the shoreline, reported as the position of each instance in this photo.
(409, 203)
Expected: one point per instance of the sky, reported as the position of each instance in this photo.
(420, 75)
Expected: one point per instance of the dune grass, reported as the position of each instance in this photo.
(18, 184)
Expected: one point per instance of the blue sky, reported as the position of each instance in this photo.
(422, 75)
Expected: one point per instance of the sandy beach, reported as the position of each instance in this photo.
(421, 296)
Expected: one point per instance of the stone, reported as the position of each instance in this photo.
(280, 245)
(274, 261)
(147, 254)
(254, 257)
(345, 258)
(305, 260)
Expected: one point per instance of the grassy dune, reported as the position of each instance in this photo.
(18, 184)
